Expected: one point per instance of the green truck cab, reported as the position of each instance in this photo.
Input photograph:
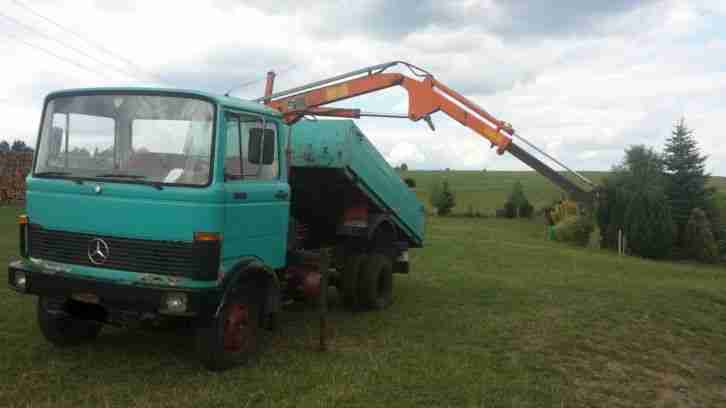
(148, 204)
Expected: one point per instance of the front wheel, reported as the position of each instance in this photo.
(61, 328)
(231, 338)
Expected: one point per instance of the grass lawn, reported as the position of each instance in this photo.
(491, 316)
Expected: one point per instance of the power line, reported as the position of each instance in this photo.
(91, 42)
(79, 51)
(47, 51)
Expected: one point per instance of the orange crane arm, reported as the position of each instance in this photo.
(424, 98)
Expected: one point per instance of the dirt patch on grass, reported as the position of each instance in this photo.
(629, 363)
(672, 391)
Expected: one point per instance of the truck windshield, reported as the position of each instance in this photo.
(127, 137)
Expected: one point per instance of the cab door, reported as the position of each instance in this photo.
(257, 196)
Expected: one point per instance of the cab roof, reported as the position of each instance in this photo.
(225, 101)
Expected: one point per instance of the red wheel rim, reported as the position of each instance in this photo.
(237, 334)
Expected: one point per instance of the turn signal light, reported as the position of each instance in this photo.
(207, 249)
(207, 236)
(23, 229)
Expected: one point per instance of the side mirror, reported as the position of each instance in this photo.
(261, 146)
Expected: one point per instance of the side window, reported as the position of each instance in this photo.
(233, 154)
(259, 149)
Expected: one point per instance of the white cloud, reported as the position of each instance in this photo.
(583, 81)
(405, 153)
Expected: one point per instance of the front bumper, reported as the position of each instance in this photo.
(141, 299)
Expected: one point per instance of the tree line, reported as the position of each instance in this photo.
(662, 202)
(16, 146)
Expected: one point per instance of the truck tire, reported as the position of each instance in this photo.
(232, 337)
(60, 328)
(376, 283)
(354, 265)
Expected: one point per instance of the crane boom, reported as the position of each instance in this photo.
(425, 97)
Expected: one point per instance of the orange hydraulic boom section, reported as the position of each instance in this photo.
(425, 97)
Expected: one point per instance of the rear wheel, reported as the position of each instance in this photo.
(60, 327)
(232, 337)
(354, 266)
(376, 283)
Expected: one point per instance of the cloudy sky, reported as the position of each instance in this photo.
(581, 79)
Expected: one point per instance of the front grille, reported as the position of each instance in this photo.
(172, 258)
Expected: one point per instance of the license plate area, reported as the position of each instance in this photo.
(86, 298)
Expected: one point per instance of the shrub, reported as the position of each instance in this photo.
(517, 204)
(714, 210)
(649, 226)
(510, 210)
(435, 194)
(698, 238)
(410, 182)
(470, 211)
(442, 198)
(575, 230)
(611, 209)
(526, 210)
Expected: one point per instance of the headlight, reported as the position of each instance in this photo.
(20, 280)
(175, 302)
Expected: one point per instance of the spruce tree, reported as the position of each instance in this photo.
(687, 178)
(648, 224)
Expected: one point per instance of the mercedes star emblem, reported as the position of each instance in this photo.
(98, 251)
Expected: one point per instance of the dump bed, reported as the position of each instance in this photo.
(340, 145)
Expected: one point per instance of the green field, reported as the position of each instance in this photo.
(487, 191)
(491, 315)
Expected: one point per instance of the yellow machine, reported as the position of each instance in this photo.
(563, 209)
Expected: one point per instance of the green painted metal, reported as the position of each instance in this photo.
(125, 210)
(224, 101)
(176, 212)
(116, 276)
(341, 144)
(173, 213)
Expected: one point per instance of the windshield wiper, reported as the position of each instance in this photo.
(121, 175)
(154, 184)
(58, 174)
(53, 173)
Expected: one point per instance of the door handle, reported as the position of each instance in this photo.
(282, 195)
